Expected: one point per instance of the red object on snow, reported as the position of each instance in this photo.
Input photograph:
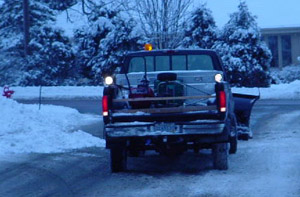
(7, 93)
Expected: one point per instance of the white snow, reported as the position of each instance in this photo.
(62, 92)
(26, 129)
(278, 91)
(271, 159)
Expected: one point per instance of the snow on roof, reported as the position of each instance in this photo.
(269, 13)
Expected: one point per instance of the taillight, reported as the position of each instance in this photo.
(222, 101)
(105, 105)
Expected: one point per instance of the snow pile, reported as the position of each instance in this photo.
(26, 129)
(286, 75)
(280, 91)
(62, 92)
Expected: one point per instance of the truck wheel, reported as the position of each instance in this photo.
(118, 159)
(220, 156)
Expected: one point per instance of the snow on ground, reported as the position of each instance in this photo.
(272, 163)
(25, 128)
(62, 92)
(277, 91)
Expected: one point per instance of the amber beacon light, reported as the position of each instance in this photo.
(148, 47)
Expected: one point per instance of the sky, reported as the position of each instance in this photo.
(270, 13)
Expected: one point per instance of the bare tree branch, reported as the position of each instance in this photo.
(163, 20)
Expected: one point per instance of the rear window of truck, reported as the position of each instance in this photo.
(173, 62)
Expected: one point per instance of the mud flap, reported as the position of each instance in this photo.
(220, 156)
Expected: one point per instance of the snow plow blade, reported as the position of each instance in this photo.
(243, 104)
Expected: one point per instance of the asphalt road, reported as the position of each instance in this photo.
(267, 165)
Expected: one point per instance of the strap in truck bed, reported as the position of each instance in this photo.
(163, 98)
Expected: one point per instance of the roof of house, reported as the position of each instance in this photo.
(281, 30)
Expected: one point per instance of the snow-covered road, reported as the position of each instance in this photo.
(267, 165)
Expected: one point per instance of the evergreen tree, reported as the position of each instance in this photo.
(60, 5)
(102, 43)
(115, 45)
(88, 39)
(11, 23)
(202, 29)
(245, 56)
(51, 60)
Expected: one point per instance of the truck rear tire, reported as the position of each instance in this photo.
(118, 159)
(220, 156)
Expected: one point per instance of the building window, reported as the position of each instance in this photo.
(286, 50)
(273, 45)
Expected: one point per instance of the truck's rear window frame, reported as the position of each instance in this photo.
(217, 63)
(205, 62)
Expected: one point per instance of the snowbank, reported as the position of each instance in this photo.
(286, 74)
(25, 129)
(61, 92)
(280, 91)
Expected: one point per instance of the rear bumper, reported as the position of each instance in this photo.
(203, 133)
(149, 129)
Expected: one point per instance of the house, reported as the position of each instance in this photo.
(284, 43)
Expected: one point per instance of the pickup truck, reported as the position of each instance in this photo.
(172, 101)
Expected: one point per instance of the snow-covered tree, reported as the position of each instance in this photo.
(123, 38)
(102, 43)
(201, 31)
(245, 56)
(88, 38)
(13, 64)
(60, 5)
(11, 23)
(51, 59)
(11, 68)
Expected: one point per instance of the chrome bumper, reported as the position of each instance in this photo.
(142, 129)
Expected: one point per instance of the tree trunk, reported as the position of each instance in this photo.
(26, 26)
